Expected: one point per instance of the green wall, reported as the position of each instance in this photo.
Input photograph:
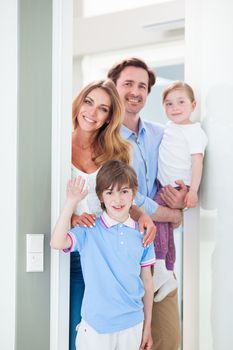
(34, 170)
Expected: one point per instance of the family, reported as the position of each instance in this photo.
(130, 181)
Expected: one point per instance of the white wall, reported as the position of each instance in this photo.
(130, 28)
(8, 142)
(209, 57)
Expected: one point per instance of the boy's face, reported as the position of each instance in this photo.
(118, 202)
(179, 107)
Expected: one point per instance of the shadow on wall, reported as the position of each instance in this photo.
(217, 196)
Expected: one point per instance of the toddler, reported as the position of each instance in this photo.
(181, 155)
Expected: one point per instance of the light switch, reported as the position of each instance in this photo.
(35, 252)
(35, 243)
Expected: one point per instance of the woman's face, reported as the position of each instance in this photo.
(94, 111)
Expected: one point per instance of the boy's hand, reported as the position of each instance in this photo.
(87, 220)
(147, 341)
(191, 199)
(75, 190)
(146, 223)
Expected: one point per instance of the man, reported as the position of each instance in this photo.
(133, 80)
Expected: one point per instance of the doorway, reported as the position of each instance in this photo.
(161, 48)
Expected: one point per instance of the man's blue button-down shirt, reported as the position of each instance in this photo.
(145, 161)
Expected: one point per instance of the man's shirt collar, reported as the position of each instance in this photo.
(126, 132)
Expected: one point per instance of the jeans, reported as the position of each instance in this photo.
(76, 296)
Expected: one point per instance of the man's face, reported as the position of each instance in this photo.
(132, 86)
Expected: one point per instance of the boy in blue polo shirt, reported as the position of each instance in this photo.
(118, 297)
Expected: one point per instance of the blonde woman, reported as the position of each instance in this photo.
(97, 118)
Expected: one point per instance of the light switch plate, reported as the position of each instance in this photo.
(35, 252)
(35, 243)
(35, 262)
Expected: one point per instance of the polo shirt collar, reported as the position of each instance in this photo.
(109, 222)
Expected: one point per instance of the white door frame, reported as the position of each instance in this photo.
(61, 158)
(9, 42)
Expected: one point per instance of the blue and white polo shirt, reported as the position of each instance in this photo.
(112, 255)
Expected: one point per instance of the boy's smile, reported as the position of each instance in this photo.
(118, 202)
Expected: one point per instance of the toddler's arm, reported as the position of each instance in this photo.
(74, 194)
(146, 276)
(191, 198)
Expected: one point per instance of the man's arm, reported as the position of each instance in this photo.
(164, 214)
(157, 213)
(160, 213)
(146, 276)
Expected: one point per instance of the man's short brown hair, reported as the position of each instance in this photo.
(116, 70)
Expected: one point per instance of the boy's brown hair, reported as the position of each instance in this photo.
(115, 173)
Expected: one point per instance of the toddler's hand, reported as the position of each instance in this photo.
(75, 190)
(191, 199)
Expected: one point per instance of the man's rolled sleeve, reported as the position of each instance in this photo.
(148, 204)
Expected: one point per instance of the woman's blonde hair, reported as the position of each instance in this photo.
(108, 143)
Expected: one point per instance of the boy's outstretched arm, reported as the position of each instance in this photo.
(146, 276)
(74, 194)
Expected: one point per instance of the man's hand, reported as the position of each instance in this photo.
(175, 198)
(146, 223)
(87, 220)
